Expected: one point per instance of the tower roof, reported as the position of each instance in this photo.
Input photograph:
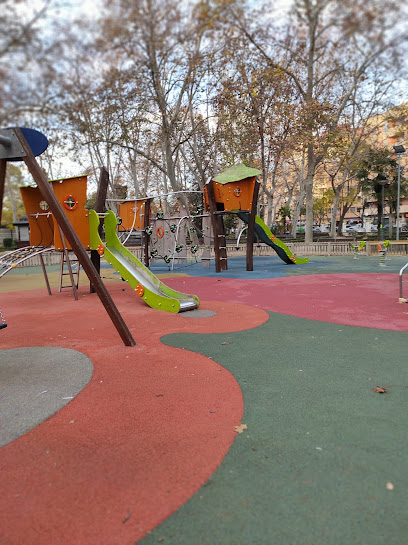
(236, 173)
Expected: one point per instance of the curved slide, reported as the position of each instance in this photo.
(266, 235)
(156, 294)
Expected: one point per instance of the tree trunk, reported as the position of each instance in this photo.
(341, 220)
(311, 167)
(309, 209)
(269, 209)
(10, 193)
(298, 207)
(390, 224)
(333, 230)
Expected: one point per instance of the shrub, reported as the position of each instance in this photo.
(8, 242)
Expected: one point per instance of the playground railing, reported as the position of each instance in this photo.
(300, 248)
(396, 248)
(325, 249)
(401, 298)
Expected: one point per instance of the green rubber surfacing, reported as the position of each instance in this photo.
(313, 466)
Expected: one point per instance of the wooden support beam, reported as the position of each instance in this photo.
(3, 168)
(96, 261)
(218, 231)
(62, 220)
(145, 237)
(102, 190)
(251, 229)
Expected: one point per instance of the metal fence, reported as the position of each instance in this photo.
(298, 248)
(324, 249)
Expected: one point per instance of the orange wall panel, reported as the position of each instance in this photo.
(71, 193)
(127, 214)
(233, 195)
(39, 217)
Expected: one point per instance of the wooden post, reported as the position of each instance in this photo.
(146, 238)
(96, 261)
(99, 207)
(3, 168)
(62, 220)
(251, 229)
(218, 231)
(102, 190)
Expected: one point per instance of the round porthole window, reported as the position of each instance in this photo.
(70, 202)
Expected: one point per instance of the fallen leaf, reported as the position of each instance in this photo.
(379, 390)
(241, 428)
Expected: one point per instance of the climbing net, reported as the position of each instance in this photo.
(179, 236)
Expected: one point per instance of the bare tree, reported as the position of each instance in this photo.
(331, 48)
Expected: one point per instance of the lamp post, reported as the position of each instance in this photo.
(383, 182)
(399, 150)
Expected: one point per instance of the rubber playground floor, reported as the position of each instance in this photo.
(252, 421)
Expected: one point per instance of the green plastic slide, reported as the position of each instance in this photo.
(266, 235)
(156, 294)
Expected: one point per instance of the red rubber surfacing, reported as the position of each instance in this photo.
(362, 300)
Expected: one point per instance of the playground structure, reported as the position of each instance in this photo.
(71, 193)
(236, 191)
(185, 236)
(169, 238)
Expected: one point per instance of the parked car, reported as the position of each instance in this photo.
(321, 228)
(356, 227)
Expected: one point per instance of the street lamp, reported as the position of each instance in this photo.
(399, 150)
(383, 182)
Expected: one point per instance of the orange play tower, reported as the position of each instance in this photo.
(234, 190)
